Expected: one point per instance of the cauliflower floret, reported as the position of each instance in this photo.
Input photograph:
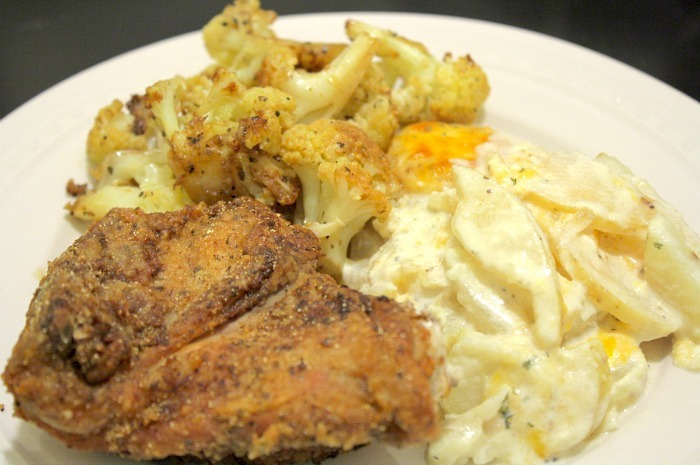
(240, 37)
(423, 87)
(208, 138)
(370, 109)
(319, 94)
(134, 179)
(320, 77)
(346, 181)
(127, 150)
(229, 149)
(173, 102)
(163, 101)
(224, 130)
(116, 129)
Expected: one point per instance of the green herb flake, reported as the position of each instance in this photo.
(658, 245)
(505, 412)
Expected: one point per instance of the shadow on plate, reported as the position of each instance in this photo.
(657, 350)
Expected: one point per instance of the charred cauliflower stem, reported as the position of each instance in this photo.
(302, 127)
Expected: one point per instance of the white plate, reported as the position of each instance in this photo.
(551, 92)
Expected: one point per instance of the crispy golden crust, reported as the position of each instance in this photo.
(208, 333)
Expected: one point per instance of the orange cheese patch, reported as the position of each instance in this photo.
(422, 152)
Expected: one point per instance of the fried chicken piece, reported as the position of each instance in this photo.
(208, 334)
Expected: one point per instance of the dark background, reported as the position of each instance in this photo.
(45, 41)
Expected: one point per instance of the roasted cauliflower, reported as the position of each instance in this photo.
(209, 138)
(423, 87)
(127, 149)
(346, 182)
(370, 108)
(327, 80)
(229, 146)
(300, 126)
(118, 127)
(241, 36)
(319, 94)
(133, 179)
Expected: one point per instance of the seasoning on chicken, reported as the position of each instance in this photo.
(208, 333)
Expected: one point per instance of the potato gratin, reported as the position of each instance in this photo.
(543, 272)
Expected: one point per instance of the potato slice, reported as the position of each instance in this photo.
(614, 284)
(495, 228)
(572, 182)
(672, 269)
(526, 414)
